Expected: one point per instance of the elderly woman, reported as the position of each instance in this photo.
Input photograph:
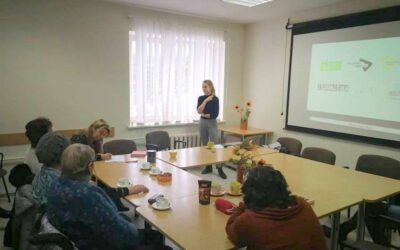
(83, 211)
(272, 218)
(48, 151)
(93, 137)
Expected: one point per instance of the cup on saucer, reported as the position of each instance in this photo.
(162, 202)
(146, 165)
(123, 182)
(155, 171)
(216, 188)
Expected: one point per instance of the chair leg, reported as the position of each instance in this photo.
(5, 186)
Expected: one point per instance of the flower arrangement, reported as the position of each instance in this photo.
(243, 157)
(244, 111)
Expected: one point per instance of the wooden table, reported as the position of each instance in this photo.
(202, 156)
(189, 224)
(332, 188)
(182, 184)
(244, 133)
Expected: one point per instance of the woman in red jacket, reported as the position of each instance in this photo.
(272, 218)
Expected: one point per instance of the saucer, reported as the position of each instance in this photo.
(145, 168)
(154, 174)
(232, 194)
(221, 193)
(154, 205)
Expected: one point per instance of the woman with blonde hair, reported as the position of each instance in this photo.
(208, 109)
(93, 137)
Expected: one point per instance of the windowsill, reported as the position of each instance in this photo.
(170, 125)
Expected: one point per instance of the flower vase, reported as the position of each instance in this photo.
(239, 174)
(243, 124)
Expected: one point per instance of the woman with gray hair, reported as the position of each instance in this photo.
(83, 211)
(48, 151)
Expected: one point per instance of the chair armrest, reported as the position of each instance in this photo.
(184, 144)
(152, 147)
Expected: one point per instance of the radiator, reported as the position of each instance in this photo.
(192, 140)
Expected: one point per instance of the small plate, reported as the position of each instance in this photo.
(154, 205)
(222, 193)
(145, 168)
(154, 174)
(232, 194)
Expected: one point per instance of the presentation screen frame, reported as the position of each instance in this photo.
(346, 21)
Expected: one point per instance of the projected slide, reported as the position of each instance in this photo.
(356, 78)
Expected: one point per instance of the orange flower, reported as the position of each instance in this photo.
(248, 104)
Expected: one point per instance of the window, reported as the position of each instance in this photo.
(168, 63)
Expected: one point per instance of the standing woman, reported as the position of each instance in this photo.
(93, 137)
(208, 108)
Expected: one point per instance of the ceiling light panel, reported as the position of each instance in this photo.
(248, 3)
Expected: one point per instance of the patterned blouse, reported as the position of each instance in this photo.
(85, 213)
(42, 181)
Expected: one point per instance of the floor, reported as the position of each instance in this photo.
(214, 178)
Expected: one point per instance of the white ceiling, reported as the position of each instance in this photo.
(216, 9)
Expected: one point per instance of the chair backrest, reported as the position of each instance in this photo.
(319, 154)
(159, 138)
(119, 147)
(291, 144)
(379, 165)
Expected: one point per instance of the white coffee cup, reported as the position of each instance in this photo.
(146, 164)
(123, 182)
(162, 202)
(155, 170)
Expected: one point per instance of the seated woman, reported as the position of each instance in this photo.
(48, 151)
(272, 218)
(35, 129)
(83, 211)
(93, 137)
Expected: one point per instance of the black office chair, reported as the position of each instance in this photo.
(382, 166)
(290, 145)
(119, 147)
(319, 154)
(3, 173)
(160, 140)
(388, 224)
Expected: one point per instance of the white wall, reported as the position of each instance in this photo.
(68, 60)
(264, 77)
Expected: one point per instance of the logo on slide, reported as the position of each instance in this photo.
(365, 65)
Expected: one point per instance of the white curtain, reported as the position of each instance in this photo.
(168, 62)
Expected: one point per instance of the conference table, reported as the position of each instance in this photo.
(183, 183)
(202, 156)
(193, 226)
